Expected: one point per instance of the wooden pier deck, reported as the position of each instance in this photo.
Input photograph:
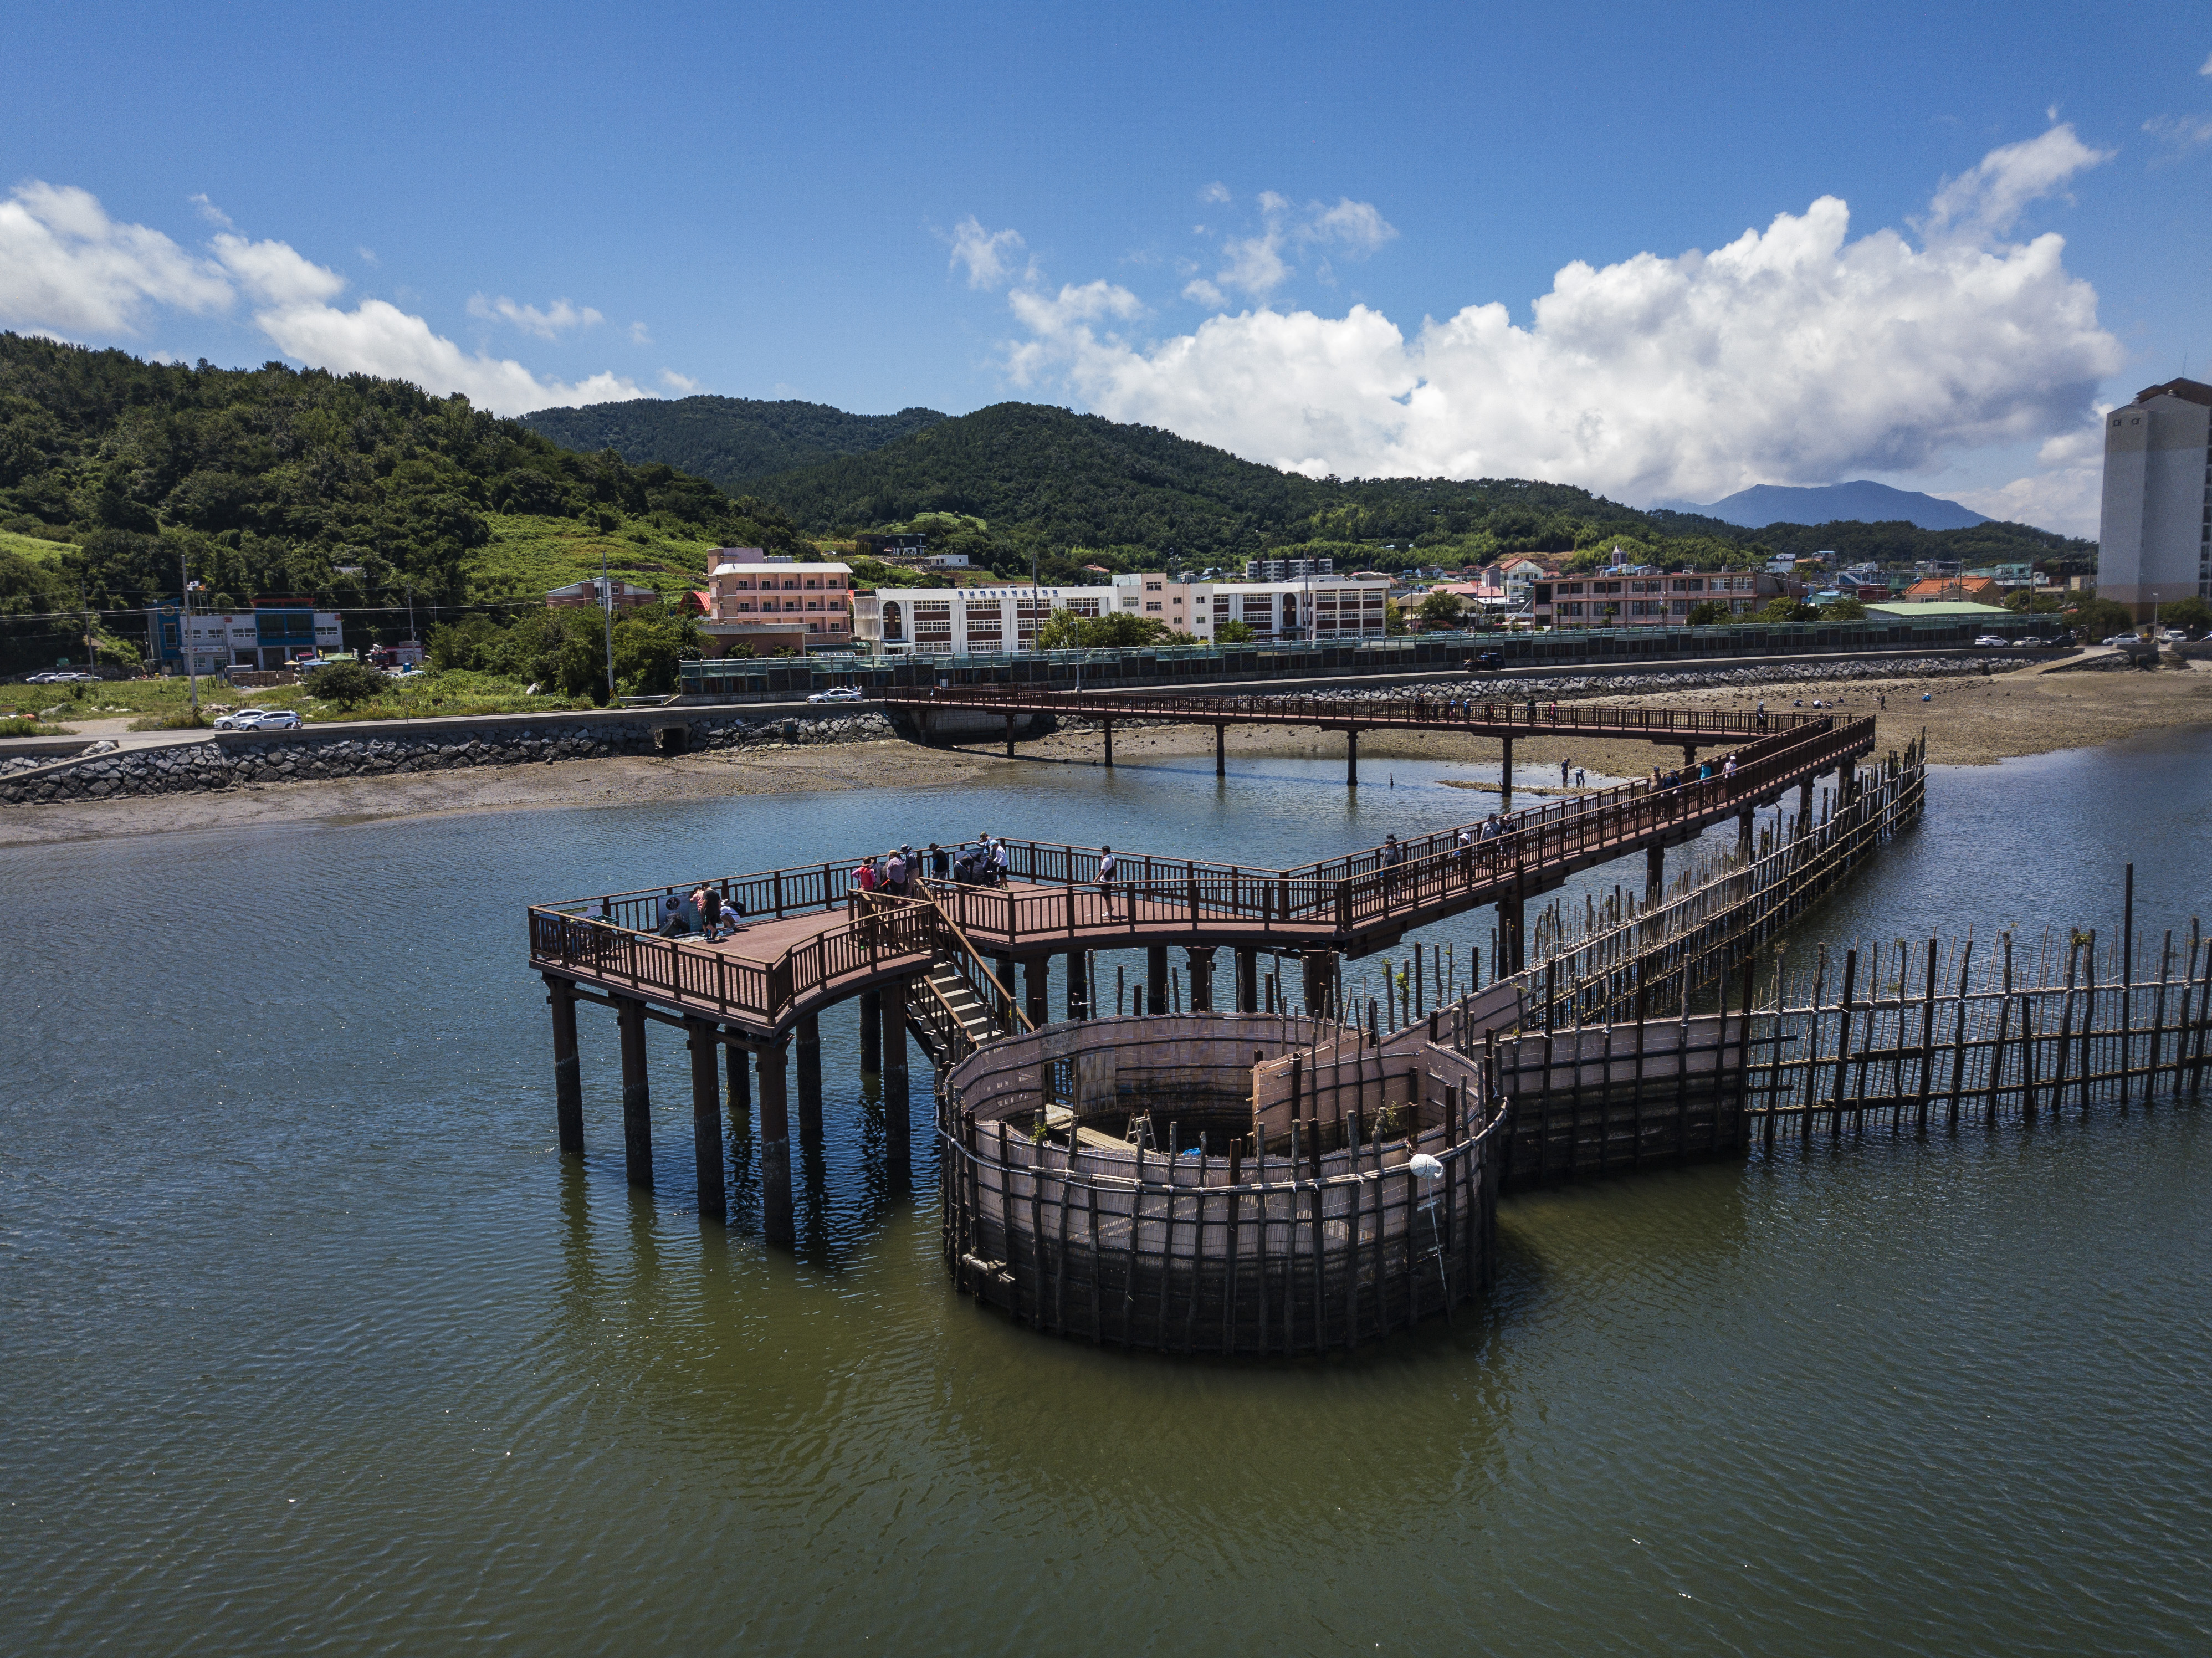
(814, 940)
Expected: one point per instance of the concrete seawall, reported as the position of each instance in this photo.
(229, 759)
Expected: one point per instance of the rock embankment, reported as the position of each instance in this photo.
(326, 752)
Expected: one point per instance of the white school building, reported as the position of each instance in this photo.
(995, 620)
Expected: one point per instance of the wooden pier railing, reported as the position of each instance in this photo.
(1483, 715)
(613, 938)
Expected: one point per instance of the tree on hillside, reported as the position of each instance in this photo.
(274, 480)
(1441, 609)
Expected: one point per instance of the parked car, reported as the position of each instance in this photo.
(1992, 639)
(238, 719)
(838, 694)
(2125, 638)
(2024, 644)
(48, 678)
(279, 719)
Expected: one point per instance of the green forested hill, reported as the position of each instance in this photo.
(731, 441)
(1076, 488)
(353, 489)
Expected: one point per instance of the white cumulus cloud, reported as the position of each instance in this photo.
(2067, 494)
(376, 338)
(1989, 197)
(64, 265)
(682, 384)
(2179, 134)
(1794, 355)
(1259, 265)
(1216, 191)
(547, 325)
(989, 255)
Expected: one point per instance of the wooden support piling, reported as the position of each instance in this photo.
(568, 1067)
(707, 1117)
(637, 1103)
(778, 1223)
(872, 1041)
(809, 1079)
(739, 1059)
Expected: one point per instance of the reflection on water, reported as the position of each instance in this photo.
(314, 1339)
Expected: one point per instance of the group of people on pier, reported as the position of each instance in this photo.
(894, 874)
(703, 911)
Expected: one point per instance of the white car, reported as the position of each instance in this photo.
(1991, 638)
(240, 720)
(839, 694)
(2125, 638)
(278, 719)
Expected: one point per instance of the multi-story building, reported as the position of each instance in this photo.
(1287, 569)
(1607, 599)
(996, 620)
(776, 604)
(2155, 540)
(273, 633)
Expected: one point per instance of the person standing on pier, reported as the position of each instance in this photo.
(1106, 876)
(940, 863)
(895, 875)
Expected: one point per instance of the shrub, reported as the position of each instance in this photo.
(347, 684)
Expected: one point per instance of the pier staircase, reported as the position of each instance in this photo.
(959, 1004)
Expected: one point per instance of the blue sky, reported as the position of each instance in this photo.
(1233, 222)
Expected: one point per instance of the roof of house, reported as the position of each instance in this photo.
(1923, 612)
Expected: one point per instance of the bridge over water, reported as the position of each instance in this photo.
(936, 712)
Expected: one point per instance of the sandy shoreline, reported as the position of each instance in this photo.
(1969, 721)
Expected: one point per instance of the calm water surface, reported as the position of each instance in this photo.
(313, 1344)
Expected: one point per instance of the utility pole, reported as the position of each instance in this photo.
(184, 630)
(607, 608)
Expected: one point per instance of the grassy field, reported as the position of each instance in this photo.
(34, 548)
(528, 558)
(147, 701)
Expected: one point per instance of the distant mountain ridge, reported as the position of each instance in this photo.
(1022, 485)
(1862, 499)
(729, 441)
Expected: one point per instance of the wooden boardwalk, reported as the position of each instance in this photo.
(814, 940)
(1506, 719)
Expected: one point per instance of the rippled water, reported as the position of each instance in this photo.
(313, 1343)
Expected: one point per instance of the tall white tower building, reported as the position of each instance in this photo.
(2155, 544)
